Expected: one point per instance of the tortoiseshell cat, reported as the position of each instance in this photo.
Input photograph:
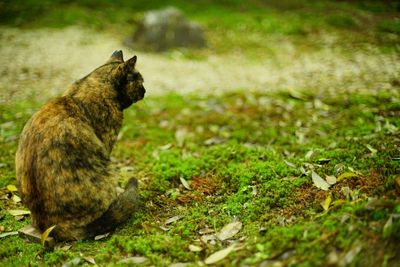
(64, 152)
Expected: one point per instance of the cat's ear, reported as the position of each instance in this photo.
(116, 56)
(130, 63)
(127, 66)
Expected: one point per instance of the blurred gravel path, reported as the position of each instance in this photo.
(41, 63)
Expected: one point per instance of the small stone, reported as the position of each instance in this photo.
(160, 30)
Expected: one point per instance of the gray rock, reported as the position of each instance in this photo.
(160, 30)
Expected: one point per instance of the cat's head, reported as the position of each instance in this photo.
(128, 82)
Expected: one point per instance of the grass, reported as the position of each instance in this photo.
(247, 157)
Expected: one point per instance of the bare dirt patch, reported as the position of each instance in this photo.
(42, 62)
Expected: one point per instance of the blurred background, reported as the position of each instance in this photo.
(318, 45)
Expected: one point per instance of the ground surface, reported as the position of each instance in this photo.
(247, 131)
(52, 59)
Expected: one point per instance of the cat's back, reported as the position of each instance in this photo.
(57, 123)
(57, 140)
(61, 165)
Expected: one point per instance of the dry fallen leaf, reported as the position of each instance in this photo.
(219, 255)
(12, 188)
(388, 225)
(66, 247)
(323, 161)
(90, 260)
(133, 260)
(319, 182)
(16, 199)
(350, 255)
(46, 234)
(19, 217)
(206, 231)
(173, 219)
(346, 175)
(98, 237)
(214, 141)
(229, 230)
(327, 202)
(373, 150)
(254, 191)
(309, 154)
(208, 239)
(330, 179)
(185, 183)
(166, 147)
(303, 171)
(195, 248)
(180, 136)
(291, 165)
(74, 262)
(180, 264)
(19, 212)
(8, 234)
(347, 192)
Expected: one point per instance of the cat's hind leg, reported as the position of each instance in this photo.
(120, 210)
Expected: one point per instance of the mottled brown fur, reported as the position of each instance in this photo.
(64, 151)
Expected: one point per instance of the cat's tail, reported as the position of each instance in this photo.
(120, 210)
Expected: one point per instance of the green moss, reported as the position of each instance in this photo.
(392, 26)
(254, 183)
